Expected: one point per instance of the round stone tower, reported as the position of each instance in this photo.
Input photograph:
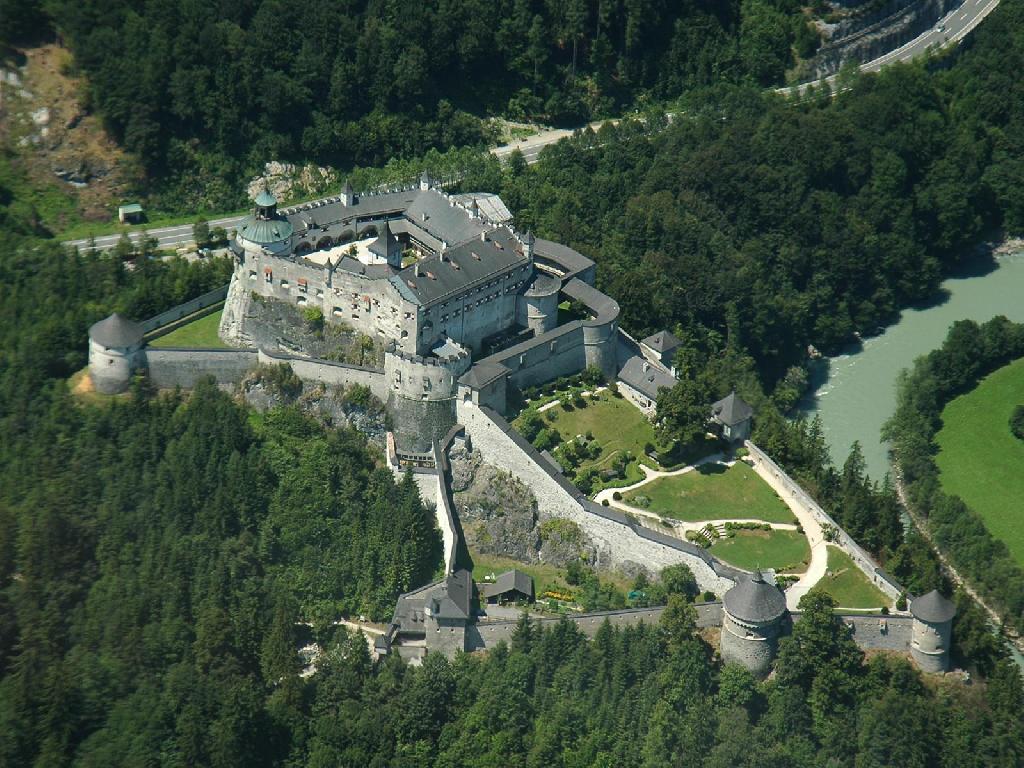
(421, 394)
(264, 231)
(114, 345)
(931, 631)
(752, 622)
(538, 307)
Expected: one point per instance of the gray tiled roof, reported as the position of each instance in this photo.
(508, 581)
(755, 600)
(648, 382)
(490, 205)
(933, 608)
(731, 410)
(662, 341)
(116, 331)
(569, 260)
(482, 374)
(462, 266)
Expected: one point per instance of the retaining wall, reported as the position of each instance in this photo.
(875, 632)
(171, 367)
(864, 561)
(329, 371)
(619, 540)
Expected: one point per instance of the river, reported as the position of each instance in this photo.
(855, 392)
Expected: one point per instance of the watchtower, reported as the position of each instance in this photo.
(931, 631)
(114, 345)
(752, 622)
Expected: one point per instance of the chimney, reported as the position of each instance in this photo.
(647, 367)
(416, 269)
(483, 237)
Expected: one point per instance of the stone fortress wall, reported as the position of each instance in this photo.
(165, 322)
(170, 367)
(863, 560)
(618, 538)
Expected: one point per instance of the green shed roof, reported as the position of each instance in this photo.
(130, 208)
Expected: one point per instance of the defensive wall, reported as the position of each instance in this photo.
(618, 538)
(487, 634)
(329, 371)
(863, 560)
(170, 367)
(564, 351)
(870, 633)
(445, 500)
(165, 322)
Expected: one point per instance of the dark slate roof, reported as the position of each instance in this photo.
(482, 374)
(445, 221)
(731, 410)
(454, 596)
(603, 307)
(458, 268)
(662, 342)
(933, 608)
(543, 285)
(385, 240)
(508, 581)
(648, 382)
(569, 260)
(116, 331)
(754, 600)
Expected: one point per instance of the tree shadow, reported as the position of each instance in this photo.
(712, 468)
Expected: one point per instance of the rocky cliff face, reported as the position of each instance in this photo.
(499, 516)
(866, 35)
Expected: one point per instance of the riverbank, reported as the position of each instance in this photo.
(949, 569)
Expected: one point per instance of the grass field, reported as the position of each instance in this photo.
(785, 551)
(981, 461)
(545, 577)
(848, 585)
(713, 492)
(616, 424)
(198, 333)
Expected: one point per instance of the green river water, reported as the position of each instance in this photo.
(856, 392)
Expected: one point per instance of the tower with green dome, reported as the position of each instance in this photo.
(264, 231)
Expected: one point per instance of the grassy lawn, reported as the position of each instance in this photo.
(616, 425)
(981, 461)
(198, 333)
(785, 551)
(848, 585)
(545, 577)
(713, 492)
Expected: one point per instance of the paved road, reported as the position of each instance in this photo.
(950, 30)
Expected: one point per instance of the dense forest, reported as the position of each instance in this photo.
(969, 353)
(220, 88)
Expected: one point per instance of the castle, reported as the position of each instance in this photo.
(442, 279)
(468, 310)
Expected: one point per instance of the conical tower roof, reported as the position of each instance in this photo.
(116, 331)
(933, 608)
(755, 600)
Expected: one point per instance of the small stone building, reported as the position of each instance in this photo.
(510, 587)
(114, 353)
(432, 619)
(661, 348)
(131, 213)
(641, 381)
(931, 633)
(754, 614)
(732, 415)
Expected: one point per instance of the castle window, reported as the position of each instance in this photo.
(319, 293)
(252, 274)
(426, 384)
(303, 284)
(337, 312)
(284, 284)
(300, 300)
(268, 275)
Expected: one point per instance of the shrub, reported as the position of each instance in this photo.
(901, 602)
(604, 503)
(617, 496)
(1017, 422)
(314, 318)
